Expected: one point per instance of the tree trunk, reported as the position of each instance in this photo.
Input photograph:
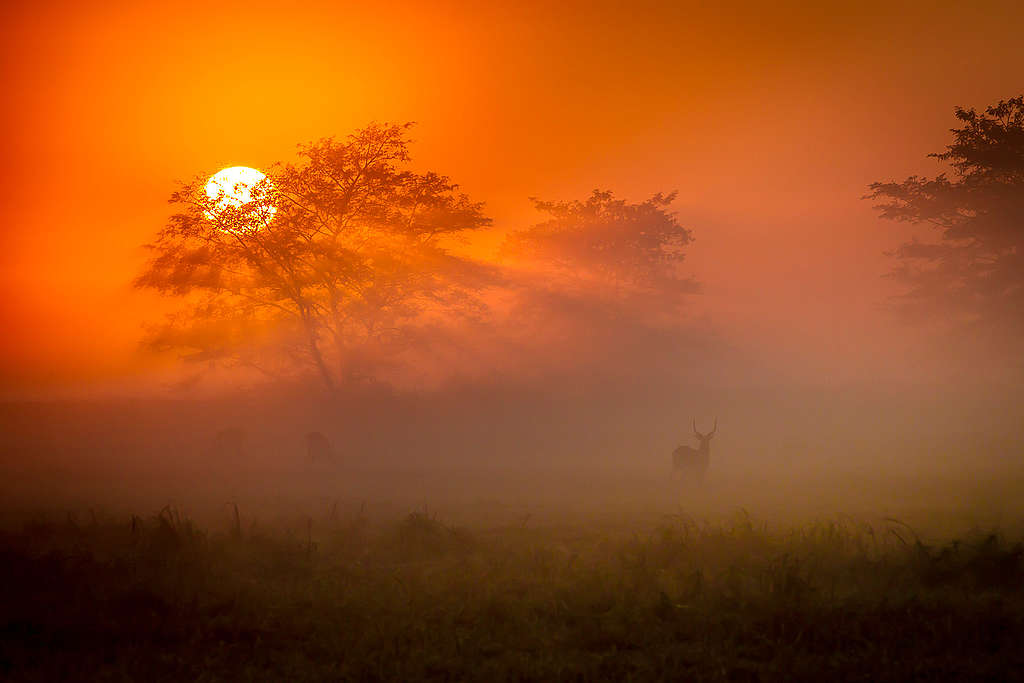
(318, 357)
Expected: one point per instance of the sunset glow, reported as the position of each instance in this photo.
(378, 340)
(234, 188)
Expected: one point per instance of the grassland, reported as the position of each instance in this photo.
(351, 597)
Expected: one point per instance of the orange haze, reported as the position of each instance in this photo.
(769, 119)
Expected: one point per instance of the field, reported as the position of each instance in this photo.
(131, 550)
(348, 596)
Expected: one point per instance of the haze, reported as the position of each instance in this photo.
(768, 120)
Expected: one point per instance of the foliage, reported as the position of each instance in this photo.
(342, 265)
(413, 599)
(974, 272)
(608, 243)
(334, 259)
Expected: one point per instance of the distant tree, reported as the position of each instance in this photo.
(333, 260)
(608, 244)
(972, 271)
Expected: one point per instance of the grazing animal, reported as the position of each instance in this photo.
(693, 462)
(319, 449)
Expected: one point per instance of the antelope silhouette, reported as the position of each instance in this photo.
(693, 462)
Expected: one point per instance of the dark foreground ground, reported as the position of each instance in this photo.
(158, 599)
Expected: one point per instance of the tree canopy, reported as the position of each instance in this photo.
(971, 270)
(332, 260)
(604, 243)
(342, 265)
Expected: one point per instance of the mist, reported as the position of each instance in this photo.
(552, 379)
(512, 342)
(571, 442)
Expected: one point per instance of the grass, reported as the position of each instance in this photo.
(352, 598)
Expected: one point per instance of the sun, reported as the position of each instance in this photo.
(240, 196)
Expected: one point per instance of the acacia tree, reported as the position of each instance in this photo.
(333, 259)
(972, 271)
(608, 244)
(604, 277)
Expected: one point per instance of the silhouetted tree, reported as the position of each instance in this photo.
(332, 261)
(974, 272)
(604, 277)
(607, 243)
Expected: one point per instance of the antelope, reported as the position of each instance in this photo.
(318, 448)
(693, 462)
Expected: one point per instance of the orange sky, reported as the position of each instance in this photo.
(768, 118)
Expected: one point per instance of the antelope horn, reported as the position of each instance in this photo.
(695, 427)
(715, 428)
